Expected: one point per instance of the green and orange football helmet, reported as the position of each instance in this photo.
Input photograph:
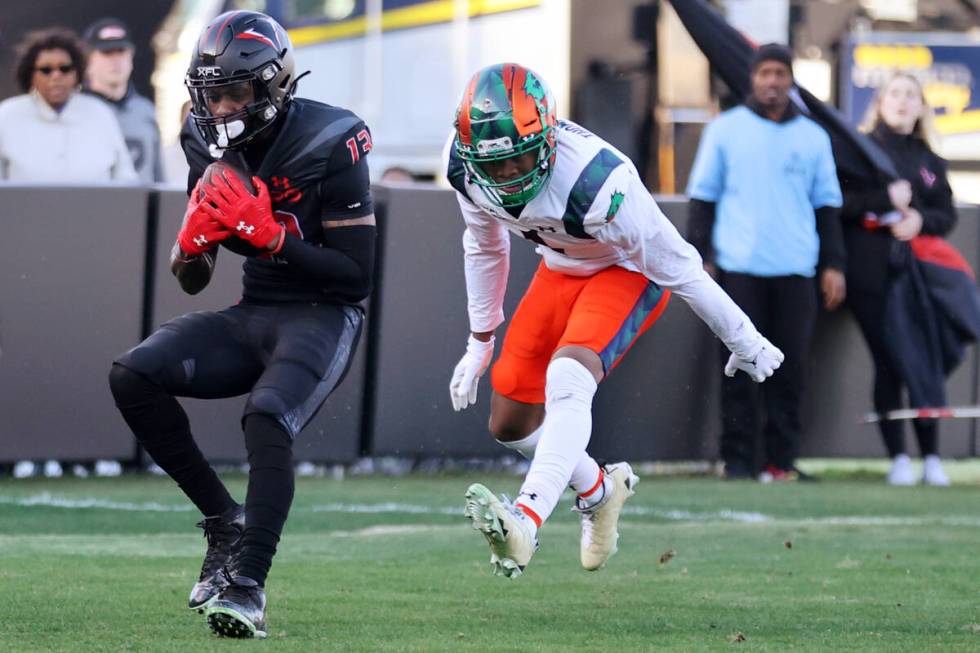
(507, 111)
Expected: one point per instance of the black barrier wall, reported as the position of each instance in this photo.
(72, 298)
(423, 328)
(71, 291)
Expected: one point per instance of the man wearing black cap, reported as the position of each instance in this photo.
(764, 204)
(110, 65)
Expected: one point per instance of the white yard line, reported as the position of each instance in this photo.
(46, 499)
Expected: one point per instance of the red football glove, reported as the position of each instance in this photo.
(245, 215)
(199, 232)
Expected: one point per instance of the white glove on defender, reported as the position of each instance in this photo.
(759, 368)
(469, 369)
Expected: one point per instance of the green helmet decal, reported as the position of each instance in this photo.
(505, 133)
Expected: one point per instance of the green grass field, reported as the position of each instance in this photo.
(389, 564)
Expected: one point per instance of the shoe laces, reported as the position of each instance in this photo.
(220, 536)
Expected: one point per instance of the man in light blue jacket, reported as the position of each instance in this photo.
(764, 216)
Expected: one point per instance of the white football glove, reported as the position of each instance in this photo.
(469, 369)
(759, 368)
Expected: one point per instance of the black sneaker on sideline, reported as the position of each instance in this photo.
(238, 610)
(222, 533)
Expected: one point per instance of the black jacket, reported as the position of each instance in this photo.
(869, 252)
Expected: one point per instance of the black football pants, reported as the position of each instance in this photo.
(784, 309)
(287, 357)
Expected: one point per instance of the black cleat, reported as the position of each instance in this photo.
(222, 533)
(239, 610)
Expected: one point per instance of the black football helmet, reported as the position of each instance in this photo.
(244, 60)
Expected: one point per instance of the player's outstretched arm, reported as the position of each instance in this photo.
(651, 242)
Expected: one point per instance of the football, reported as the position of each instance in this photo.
(229, 171)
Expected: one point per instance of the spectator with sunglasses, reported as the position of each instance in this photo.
(52, 133)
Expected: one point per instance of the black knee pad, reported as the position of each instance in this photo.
(268, 403)
(130, 387)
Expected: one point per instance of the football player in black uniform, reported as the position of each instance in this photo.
(308, 234)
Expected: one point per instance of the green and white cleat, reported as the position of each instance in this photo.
(238, 610)
(512, 541)
(600, 523)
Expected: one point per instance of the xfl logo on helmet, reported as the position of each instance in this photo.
(209, 71)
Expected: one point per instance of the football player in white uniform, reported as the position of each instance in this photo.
(611, 260)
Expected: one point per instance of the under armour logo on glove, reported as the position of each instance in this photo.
(231, 204)
(199, 231)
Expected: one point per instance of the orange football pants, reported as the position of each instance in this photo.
(604, 313)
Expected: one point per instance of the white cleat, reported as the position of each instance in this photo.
(932, 472)
(600, 523)
(901, 472)
(512, 541)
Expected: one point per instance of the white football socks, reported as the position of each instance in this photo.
(569, 390)
(586, 476)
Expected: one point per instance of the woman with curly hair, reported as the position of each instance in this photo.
(52, 133)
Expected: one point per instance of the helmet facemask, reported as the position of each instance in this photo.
(236, 129)
(533, 160)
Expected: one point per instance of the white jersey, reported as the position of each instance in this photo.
(593, 213)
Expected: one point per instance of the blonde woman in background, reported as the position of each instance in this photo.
(875, 219)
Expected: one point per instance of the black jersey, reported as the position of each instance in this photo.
(316, 172)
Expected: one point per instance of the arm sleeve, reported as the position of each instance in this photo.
(486, 263)
(832, 252)
(707, 180)
(645, 236)
(344, 264)
(939, 213)
(700, 227)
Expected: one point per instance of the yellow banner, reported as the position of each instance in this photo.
(425, 13)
